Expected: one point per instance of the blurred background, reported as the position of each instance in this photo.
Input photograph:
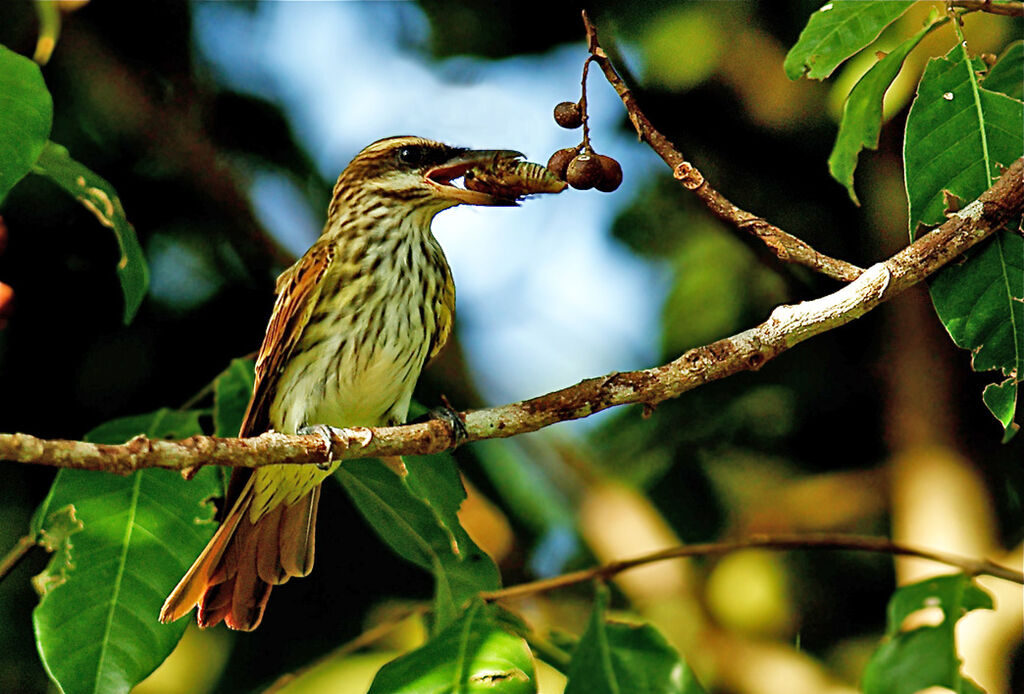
(222, 125)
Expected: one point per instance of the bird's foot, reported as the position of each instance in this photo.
(447, 414)
(344, 437)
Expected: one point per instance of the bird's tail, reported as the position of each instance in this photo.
(232, 578)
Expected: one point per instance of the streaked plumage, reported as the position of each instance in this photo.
(356, 319)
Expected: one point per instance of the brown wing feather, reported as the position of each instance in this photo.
(297, 290)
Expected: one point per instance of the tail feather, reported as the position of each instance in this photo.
(207, 570)
(215, 604)
(297, 537)
(231, 580)
(269, 563)
(250, 594)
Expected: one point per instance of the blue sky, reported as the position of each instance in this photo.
(545, 295)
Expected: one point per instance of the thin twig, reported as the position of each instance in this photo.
(584, 111)
(785, 246)
(374, 633)
(974, 567)
(747, 351)
(17, 553)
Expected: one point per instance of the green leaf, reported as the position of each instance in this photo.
(26, 115)
(474, 654)
(837, 31)
(1005, 75)
(100, 198)
(231, 392)
(909, 661)
(622, 658)
(862, 113)
(416, 516)
(980, 301)
(96, 623)
(958, 134)
(1001, 400)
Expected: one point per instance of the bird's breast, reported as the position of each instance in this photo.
(375, 324)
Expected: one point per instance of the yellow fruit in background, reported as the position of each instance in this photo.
(748, 592)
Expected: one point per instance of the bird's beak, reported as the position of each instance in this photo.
(441, 177)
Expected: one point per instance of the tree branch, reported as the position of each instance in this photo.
(974, 567)
(785, 246)
(1008, 9)
(787, 326)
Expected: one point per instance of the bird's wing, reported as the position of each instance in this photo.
(297, 290)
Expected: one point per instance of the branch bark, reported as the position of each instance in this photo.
(787, 326)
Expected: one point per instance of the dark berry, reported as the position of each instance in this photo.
(568, 115)
(611, 174)
(559, 161)
(584, 171)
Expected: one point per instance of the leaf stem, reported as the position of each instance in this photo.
(17, 553)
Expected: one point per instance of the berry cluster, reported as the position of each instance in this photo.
(581, 166)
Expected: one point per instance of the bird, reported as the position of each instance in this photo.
(355, 320)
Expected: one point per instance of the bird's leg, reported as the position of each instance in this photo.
(344, 436)
(447, 414)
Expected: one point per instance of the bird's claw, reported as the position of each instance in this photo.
(447, 414)
(327, 436)
(331, 436)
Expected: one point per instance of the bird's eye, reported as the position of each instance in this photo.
(411, 156)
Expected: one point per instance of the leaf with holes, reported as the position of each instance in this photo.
(476, 653)
(623, 658)
(959, 133)
(924, 656)
(980, 301)
(100, 198)
(837, 31)
(96, 623)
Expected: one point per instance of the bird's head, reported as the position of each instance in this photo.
(420, 172)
